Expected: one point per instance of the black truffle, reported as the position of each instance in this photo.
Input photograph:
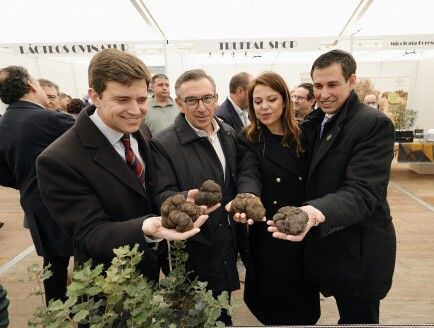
(177, 213)
(249, 204)
(209, 194)
(291, 220)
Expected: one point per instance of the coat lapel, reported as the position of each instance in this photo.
(105, 155)
(279, 155)
(330, 137)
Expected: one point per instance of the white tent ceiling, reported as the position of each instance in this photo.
(155, 21)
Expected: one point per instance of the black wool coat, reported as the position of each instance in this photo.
(26, 129)
(95, 197)
(353, 251)
(276, 289)
(228, 114)
(184, 161)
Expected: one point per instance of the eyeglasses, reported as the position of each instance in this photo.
(193, 103)
(295, 97)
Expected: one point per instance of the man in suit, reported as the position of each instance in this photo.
(350, 252)
(198, 147)
(235, 109)
(26, 129)
(97, 178)
(303, 100)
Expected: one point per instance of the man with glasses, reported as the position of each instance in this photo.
(52, 91)
(303, 100)
(198, 147)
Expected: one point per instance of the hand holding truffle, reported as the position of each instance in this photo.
(246, 208)
(293, 223)
(208, 196)
(153, 228)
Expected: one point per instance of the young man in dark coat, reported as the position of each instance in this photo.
(26, 129)
(351, 253)
(198, 147)
(97, 178)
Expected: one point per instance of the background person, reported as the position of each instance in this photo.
(235, 109)
(371, 100)
(26, 129)
(303, 100)
(162, 111)
(52, 91)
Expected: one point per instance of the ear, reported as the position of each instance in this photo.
(179, 104)
(352, 81)
(216, 98)
(93, 95)
(32, 85)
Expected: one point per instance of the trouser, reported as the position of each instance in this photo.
(55, 286)
(354, 310)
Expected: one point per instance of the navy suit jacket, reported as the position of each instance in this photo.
(26, 129)
(229, 115)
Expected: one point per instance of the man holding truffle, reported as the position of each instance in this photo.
(196, 148)
(97, 179)
(351, 253)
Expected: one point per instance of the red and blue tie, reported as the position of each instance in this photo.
(132, 160)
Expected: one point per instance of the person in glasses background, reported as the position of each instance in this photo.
(198, 147)
(303, 100)
(371, 100)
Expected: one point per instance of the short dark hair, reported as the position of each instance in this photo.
(309, 88)
(159, 76)
(64, 95)
(345, 59)
(193, 75)
(48, 83)
(240, 80)
(14, 83)
(117, 66)
(75, 106)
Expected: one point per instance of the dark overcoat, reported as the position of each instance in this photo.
(26, 129)
(228, 114)
(353, 251)
(184, 161)
(276, 290)
(94, 196)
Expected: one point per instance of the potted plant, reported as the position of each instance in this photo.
(403, 118)
(122, 297)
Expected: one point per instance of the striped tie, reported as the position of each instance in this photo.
(132, 159)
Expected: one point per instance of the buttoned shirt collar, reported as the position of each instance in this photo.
(202, 133)
(112, 136)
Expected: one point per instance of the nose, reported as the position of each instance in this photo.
(200, 105)
(136, 108)
(265, 105)
(325, 93)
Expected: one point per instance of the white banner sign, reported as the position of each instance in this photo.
(68, 49)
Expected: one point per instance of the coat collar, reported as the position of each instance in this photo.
(105, 155)
(347, 111)
(25, 104)
(283, 156)
(187, 135)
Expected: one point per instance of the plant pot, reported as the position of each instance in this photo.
(404, 136)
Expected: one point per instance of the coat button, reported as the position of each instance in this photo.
(300, 178)
(275, 202)
(278, 180)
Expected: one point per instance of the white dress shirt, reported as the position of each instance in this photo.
(243, 114)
